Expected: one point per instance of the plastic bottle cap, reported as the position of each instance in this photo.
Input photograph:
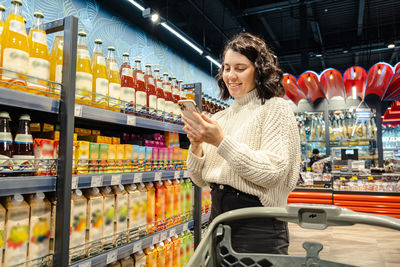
(111, 48)
(152, 247)
(121, 187)
(25, 117)
(2, 7)
(4, 114)
(132, 187)
(98, 41)
(161, 244)
(17, 198)
(180, 81)
(137, 59)
(125, 54)
(148, 65)
(142, 185)
(173, 77)
(95, 191)
(165, 73)
(38, 13)
(39, 196)
(150, 184)
(107, 189)
(159, 183)
(17, 2)
(168, 182)
(156, 69)
(78, 192)
(169, 239)
(82, 33)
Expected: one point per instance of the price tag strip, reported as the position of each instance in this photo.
(177, 174)
(185, 227)
(78, 110)
(74, 182)
(137, 177)
(164, 235)
(85, 264)
(112, 256)
(185, 174)
(131, 120)
(97, 181)
(116, 179)
(137, 246)
(157, 176)
(156, 239)
(172, 232)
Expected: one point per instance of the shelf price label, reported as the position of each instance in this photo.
(163, 236)
(78, 110)
(137, 246)
(185, 174)
(342, 178)
(185, 227)
(156, 239)
(116, 179)
(112, 256)
(74, 182)
(370, 178)
(131, 120)
(85, 264)
(97, 181)
(354, 178)
(157, 176)
(177, 174)
(137, 177)
(172, 232)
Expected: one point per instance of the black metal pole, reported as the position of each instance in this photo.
(66, 118)
(379, 142)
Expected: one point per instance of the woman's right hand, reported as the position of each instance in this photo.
(196, 145)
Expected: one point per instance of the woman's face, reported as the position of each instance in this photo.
(239, 74)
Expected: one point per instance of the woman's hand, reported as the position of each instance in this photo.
(202, 129)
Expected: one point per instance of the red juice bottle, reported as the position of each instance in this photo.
(151, 91)
(140, 89)
(127, 84)
(169, 101)
(159, 93)
(176, 98)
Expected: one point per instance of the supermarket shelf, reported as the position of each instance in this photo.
(128, 249)
(367, 193)
(26, 184)
(205, 217)
(310, 189)
(106, 179)
(103, 115)
(321, 182)
(16, 98)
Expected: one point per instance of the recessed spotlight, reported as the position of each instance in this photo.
(318, 55)
(345, 51)
(391, 45)
(155, 17)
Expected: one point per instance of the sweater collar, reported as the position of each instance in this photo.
(243, 100)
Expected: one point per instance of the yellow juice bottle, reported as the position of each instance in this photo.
(56, 63)
(121, 211)
(151, 206)
(39, 58)
(140, 259)
(169, 253)
(169, 202)
(151, 256)
(161, 253)
(176, 247)
(114, 87)
(83, 83)
(100, 80)
(177, 206)
(15, 48)
(2, 19)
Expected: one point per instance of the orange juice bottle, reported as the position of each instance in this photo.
(100, 80)
(169, 201)
(127, 84)
(177, 206)
(15, 47)
(176, 247)
(151, 91)
(83, 83)
(151, 256)
(114, 87)
(161, 253)
(169, 252)
(39, 58)
(151, 206)
(160, 206)
(2, 19)
(140, 89)
(56, 63)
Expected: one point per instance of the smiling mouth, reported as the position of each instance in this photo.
(234, 85)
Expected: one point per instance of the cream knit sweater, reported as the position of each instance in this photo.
(260, 154)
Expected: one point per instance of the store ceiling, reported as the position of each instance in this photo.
(345, 32)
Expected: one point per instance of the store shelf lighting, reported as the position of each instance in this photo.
(214, 61)
(136, 4)
(391, 45)
(180, 36)
(155, 17)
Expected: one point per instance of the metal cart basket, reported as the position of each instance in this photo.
(211, 253)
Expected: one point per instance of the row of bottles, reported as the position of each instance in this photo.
(212, 105)
(391, 136)
(311, 126)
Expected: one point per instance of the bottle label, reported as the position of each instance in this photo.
(160, 106)
(177, 112)
(5, 137)
(151, 81)
(15, 60)
(39, 37)
(139, 76)
(159, 84)
(113, 66)
(23, 139)
(167, 88)
(152, 104)
(6, 164)
(39, 232)
(17, 236)
(58, 78)
(141, 101)
(95, 210)
(169, 109)
(83, 53)
(83, 85)
(128, 94)
(101, 60)
(40, 68)
(17, 26)
(101, 90)
(1, 30)
(114, 93)
(127, 72)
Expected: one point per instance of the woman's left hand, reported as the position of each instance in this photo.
(203, 129)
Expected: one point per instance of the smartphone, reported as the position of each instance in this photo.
(186, 105)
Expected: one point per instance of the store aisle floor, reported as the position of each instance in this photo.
(360, 245)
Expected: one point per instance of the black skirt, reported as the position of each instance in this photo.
(253, 235)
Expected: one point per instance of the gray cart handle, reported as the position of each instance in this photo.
(311, 216)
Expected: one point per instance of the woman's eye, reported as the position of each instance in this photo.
(240, 69)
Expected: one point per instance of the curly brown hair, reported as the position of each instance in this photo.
(268, 76)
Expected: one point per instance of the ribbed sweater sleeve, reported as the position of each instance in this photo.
(195, 167)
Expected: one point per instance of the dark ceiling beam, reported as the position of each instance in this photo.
(274, 7)
(316, 31)
(360, 21)
(269, 30)
(394, 55)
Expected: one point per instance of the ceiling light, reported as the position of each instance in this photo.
(155, 17)
(379, 71)
(136, 4)
(331, 76)
(309, 78)
(180, 36)
(214, 61)
(318, 55)
(391, 45)
(345, 51)
(389, 108)
(288, 80)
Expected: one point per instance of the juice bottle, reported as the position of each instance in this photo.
(128, 161)
(2, 229)
(142, 216)
(77, 235)
(114, 87)
(2, 18)
(120, 158)
(140, 259)
(169, 252)
(23, 148)
(169, 101)
(127, 262)
(176, 98)
(182, 93)
(135, 157)
(121, 211)
(53, 202)
(15, 47)
(100, 79)
(182, 253)
(17, 230)
(114, 264)
(169, 202)
(183, 197)
(159, 94)
(151, 91)
(39, 58)
(177, 206)
(176, 246)
(190, 93)
(6, 144)
(95, 221)
(56, 64)
(141, 158)
(112, 155)
(39, 233)
(94, 149)
(151, 206)
(140, 89)
(188, 245)
(151, 256)
(161, 253)
(189, 195)
(84, 77)
(133, 211)
(160, 206)
(127, 85)
(108, 216)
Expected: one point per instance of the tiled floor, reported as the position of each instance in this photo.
(360, 245)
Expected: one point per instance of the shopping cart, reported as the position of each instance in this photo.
(211, 253)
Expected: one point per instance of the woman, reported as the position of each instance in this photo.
(249, 153)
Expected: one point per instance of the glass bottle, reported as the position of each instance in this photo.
(114, 86)
(23, 147)
(190, 93)
(5, 144)
(2, 19)
(176, 98)
(127, 85)
(84, 78)
(56, 64)
(39, 58)
(169, 102)
(151, 91)
(15, 47)
(140, 89)
(182, 93)
(100, 79)
(159, 93)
